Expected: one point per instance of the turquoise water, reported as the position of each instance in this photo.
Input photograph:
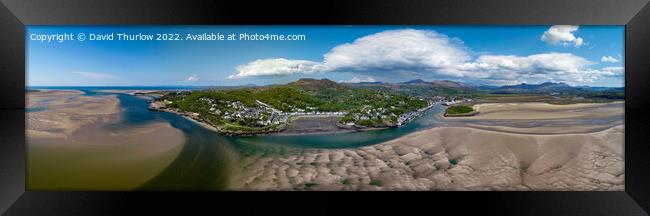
(206, 159)
(35, 109)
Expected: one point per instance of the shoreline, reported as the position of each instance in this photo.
(279, 132)
(208, 126)
(200, 123)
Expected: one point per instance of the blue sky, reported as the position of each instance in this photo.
(495, 55)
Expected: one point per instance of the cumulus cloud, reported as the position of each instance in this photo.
(397, 49)
(563, 35)
(278, 66)
(409, 49)
(611, 71)
(608, 59)
(192, 78)
(95, 75)
(358, 80)
(557, 67)
(423, 53)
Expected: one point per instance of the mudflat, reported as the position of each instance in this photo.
(313, 125)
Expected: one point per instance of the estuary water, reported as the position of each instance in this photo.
(207, 158)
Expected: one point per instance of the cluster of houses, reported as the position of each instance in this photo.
(406, 117)
(368, 112)
(263, 114)
(380, 113)
(455, 101)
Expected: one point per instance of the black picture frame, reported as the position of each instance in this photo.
(16, 14)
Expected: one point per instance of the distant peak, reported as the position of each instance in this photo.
(315, 83)
(415, 81)
(376, 82)
(545, 86)
(306, 80)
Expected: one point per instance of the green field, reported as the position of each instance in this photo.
(456, 110)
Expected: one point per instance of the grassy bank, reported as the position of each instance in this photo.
(455, 111)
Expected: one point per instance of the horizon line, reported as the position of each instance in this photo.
(383, 82)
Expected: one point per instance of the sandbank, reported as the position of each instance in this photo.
(450, 158)
(77, 143)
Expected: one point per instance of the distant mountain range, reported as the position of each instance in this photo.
(447, 87)
(550, 87)
(413, 87)
(534, 88)
(438, 83)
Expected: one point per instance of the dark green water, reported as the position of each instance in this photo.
(206, 159)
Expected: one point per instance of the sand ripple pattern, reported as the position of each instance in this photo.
(450, 158)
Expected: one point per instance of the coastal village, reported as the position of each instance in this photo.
(265, 115)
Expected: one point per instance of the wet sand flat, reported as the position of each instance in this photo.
(70, 146)
(543, 118)
(68, 111)
(37, 98)
(535, 110)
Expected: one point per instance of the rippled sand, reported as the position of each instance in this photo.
(485, 160)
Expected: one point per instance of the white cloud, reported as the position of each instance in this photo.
(386, 51)
(543, 67)
(407, 49)
(422, 54)
(278, 66)
(95, 75)
(358, 80)
(611, 71)
(608, 59)
(563, 35)
(192, 78)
